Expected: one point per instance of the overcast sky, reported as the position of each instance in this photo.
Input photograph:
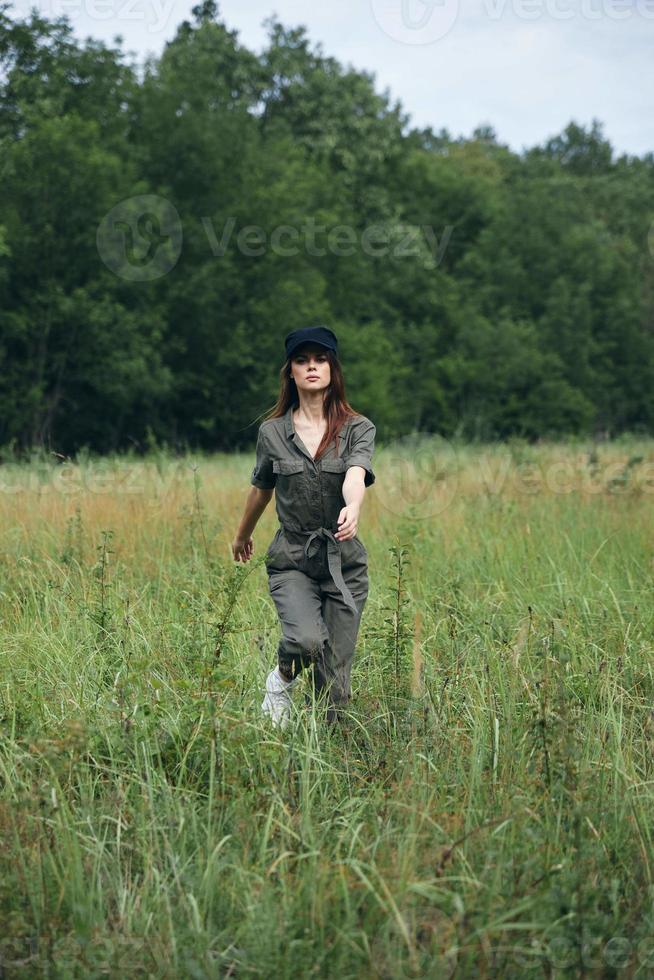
(526, 67)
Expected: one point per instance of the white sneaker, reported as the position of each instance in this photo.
(277, 702)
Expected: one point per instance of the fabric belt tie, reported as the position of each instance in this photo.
(315, 538)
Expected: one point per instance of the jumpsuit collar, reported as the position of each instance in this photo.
(291, 433)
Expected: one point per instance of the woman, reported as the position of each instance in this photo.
(315, 452)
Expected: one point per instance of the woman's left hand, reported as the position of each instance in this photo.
(348, 521)
(242, 549)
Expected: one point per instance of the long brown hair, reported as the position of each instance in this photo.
(336, 408)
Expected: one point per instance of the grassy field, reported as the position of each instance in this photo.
(487, 808)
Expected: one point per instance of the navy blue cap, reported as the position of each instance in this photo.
(315, 335)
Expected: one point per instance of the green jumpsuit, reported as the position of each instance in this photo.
(318, 583)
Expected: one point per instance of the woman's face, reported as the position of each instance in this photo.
(310, 369)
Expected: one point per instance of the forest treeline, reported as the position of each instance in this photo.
(163, 226)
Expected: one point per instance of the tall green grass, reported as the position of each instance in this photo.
(485, 809)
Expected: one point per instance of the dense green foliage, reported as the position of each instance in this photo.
(475, 291)
(486, 810)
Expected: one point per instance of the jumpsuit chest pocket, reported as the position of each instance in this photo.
(333, 474)
(290, 477)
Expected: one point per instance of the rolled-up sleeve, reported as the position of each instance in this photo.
(361, 448)
(262, 474)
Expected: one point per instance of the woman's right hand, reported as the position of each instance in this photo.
(242, 549)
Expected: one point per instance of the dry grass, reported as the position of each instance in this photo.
(486, 808)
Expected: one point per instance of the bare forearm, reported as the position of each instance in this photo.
(256, 502)
(354, 489)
